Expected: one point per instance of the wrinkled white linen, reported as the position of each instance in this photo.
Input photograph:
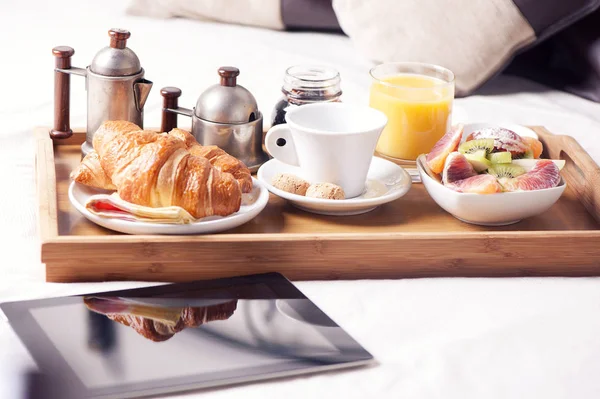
(433, 338)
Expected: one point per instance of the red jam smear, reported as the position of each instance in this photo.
(105, 206)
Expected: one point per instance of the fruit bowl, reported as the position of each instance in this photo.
(490, 209)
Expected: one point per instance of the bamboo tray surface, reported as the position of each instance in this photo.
(409, 237)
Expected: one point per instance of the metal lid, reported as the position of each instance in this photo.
(312, 83)
(116, 59)
(227, 102)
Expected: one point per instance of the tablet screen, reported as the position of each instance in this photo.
(183, 336)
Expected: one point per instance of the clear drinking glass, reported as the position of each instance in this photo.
(417, 99)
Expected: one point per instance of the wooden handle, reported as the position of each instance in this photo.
(169, 119)
(118, 38)
(62, 89)
(228, 75)
(580, 169)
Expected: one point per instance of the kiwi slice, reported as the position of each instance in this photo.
(479, 161)
(500, 157)
(526, 155)
(506, 170)
(470, 147)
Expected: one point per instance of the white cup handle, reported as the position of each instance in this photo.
(280, 144)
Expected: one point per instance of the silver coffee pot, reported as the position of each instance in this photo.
(115, 84)
(226, 115)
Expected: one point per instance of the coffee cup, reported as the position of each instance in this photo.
(329, 142)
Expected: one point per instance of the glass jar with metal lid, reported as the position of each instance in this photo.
(304, 84)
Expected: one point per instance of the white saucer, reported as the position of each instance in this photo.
(386, 182)
(252, 204)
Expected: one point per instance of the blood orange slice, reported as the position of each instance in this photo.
(447, 144)
(480, 184)
(457, 167)
(545, 174)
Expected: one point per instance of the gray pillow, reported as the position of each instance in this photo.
(568, 60)
(475, 39)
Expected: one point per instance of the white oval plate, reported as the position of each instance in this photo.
(386, 182)
(252, 204)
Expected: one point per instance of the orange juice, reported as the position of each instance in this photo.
(419, 109)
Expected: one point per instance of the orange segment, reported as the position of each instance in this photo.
(534, 145)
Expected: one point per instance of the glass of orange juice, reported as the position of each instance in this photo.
(417, 99)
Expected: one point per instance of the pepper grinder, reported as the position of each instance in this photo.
(115, 84)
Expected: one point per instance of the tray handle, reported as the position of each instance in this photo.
(62, 88)
(582, 173)
(171, 109)
(170, 102)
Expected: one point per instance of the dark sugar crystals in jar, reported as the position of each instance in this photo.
(306, 85)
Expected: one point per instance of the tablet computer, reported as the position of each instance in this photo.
(177, 337)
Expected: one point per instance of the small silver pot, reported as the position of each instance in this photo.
(226, 115)
(115, 84)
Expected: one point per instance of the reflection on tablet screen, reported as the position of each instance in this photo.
(144, 341)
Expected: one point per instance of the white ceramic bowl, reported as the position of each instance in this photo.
(490, 209)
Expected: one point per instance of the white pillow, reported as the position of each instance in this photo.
(472, 38)
(264, 13)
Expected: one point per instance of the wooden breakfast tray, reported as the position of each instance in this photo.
(410, 237)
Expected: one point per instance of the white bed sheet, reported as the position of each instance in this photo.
(433, 338)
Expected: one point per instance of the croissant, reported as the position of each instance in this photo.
(218, 158)
(157, 170)
(158, 323)
(157, 331)
(91, 174)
